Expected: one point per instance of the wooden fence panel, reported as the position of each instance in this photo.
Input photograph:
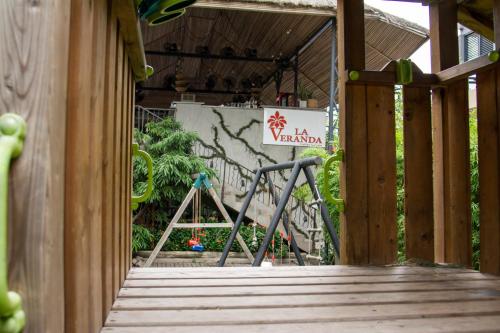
(457, 227)
(354, 176)
(33, 52)
(488, 93)
(419, 216)
(109, 285)
(381, 175)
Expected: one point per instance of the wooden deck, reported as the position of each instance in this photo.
(306, 299)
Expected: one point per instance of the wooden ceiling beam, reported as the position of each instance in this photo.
(209, 56)
(266, 7)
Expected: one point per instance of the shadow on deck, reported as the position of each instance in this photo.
(306, 299)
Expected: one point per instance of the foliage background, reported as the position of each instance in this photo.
(174, 164)
(305, 194)
(174, 167)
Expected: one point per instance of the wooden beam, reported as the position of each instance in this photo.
(267, 7)
(131, 32)
(208, 56)
(381, 147)
(202, 225)
(496, 23)
(389, 78)
(488, 114)
(450, 143)
(466, 18)
(34, 72)
(353, 135)
(466, 69)
(419, 222)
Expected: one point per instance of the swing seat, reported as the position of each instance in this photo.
(198, 248)
(192, 242)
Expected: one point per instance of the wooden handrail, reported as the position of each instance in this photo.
(131, 31)
(468, 68)
(12, 133)
(388, 78)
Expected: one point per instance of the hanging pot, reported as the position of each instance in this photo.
(150, 7)
(158, 18)
(174, 5)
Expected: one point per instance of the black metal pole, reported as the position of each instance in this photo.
(296, 81)
(333, 84)
(324, 210)
(239, 220)
(289, 232)
(277, 214)
(289, 165)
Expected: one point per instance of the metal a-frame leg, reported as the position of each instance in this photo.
(171, 226)
(287, 192)
(228, 219)
(324, 210)
(239, 219)
(286, 223)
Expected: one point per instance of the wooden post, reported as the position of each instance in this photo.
(353, 135)
(419, 225)
(488, 85)
(488, 114)
(367, 135)
(33, 84)
(451, 144)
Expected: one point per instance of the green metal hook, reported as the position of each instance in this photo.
(404, 71)
(12, 134)
(136, 200)
(337, 157)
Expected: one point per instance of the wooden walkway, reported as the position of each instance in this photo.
(306, 299)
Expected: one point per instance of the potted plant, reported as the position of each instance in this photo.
(303, 94)
(311, 101)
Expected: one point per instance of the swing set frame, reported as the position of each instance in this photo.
(201, 181)
(296, 167)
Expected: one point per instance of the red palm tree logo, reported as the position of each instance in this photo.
(276, 123)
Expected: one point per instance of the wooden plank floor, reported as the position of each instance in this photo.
(306, 299)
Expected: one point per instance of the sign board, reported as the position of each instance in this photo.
(293, 127)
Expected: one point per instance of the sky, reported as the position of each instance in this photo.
(415, 13)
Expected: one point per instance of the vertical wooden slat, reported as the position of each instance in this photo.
(123, 157)
(128, 112)
(77, 207)
(451, 143)
(381, 175)
(444, 54)
(353, 135)
(419, 225)
(458, 223)
(108, 165)
(131, 92)
(488, 92)
(83, 213)
(116, 167)
(33, 84)
(95, 175)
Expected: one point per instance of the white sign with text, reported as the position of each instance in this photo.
(292, 127)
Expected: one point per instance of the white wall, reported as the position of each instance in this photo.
(240, 142)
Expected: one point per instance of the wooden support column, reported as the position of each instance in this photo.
(381, 149)
(353, 135)
(33, 84)
(488, 114)
(367, 134)
(451, 144)
(488, 92)
(419, 225)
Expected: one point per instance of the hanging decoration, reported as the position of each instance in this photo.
(181, 84)
(157, 12)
